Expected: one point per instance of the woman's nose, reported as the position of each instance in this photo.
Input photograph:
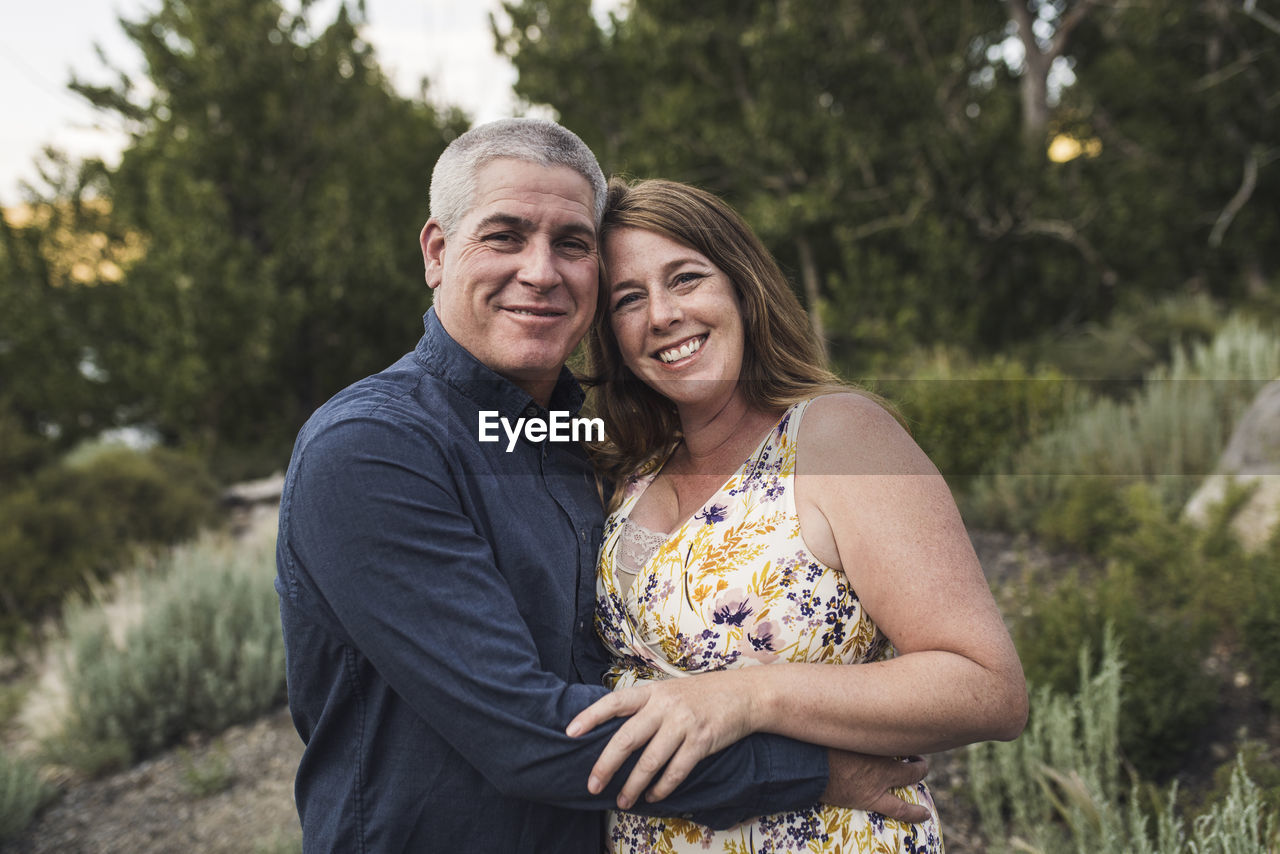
(664, 310)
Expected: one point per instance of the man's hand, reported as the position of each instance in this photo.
(867, 782)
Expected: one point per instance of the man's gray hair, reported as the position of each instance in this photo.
(453, 181)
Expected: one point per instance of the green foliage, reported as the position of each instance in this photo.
(1254, 759)
(1261, 621)
(66, 524)
(1059, 788)
(1169, 434)
(1173, 594)
(911, 210)
(22, 794)
(278, 184)
(1169, 697)
(205, 654)
(209, 775)
(50, 260)
(967, 417)
(1113, 356)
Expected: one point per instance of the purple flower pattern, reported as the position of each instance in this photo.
(736, 587)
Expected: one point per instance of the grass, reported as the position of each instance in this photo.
(22, 794)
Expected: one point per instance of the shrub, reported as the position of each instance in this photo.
(1261, 622)
(22, 794)
(1134, 339)
(1059, 788)
(968, 417)
(1168, 435)
(205, 653)
(1170, 697)
(68, 523)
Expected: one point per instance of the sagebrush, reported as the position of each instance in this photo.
(205, 653)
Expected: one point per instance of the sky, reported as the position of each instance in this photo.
(41, 43)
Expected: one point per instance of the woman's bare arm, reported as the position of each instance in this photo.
(873, 505)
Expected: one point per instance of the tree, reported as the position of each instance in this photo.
(1044, 28)
(55, 250)
(279, 184)
(861, 140)
(897, 165)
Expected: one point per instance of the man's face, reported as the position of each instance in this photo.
(516, 283)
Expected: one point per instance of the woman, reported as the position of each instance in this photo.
(768, 514)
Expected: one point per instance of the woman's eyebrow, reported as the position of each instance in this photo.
(666, 269)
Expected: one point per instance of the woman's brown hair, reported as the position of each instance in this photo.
(781, 365)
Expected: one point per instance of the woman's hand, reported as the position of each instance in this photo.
(678, 721)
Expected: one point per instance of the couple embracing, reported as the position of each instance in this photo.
(780, 611)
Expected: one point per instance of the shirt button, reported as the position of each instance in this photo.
(530, 411)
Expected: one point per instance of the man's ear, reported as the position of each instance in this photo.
(432, 240)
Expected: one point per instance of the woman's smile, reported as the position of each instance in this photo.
(682, 352)
(675, 316)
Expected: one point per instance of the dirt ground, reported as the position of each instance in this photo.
(229, 795)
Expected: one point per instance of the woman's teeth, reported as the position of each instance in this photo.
(687, 349)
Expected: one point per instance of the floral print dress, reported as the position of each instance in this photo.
(735, 586)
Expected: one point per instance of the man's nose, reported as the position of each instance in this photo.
(538, 266)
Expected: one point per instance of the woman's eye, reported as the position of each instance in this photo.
(624, 301)
(688, 278)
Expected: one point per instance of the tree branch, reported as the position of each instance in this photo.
(1069, 22)
(1247, 185)
(1250, 9)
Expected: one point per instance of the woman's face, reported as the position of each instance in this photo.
(675, 316)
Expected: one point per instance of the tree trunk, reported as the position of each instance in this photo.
(812, 292)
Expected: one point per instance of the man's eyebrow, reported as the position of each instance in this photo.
(507, 220)
(524, 224)
(581, 229)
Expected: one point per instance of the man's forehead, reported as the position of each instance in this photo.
(524, 182)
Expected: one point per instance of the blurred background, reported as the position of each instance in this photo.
(1048, 230)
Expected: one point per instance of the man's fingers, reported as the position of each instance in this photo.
(909, 771)
(904, 773)
(892, 806)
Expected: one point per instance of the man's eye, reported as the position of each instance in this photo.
(576, 247)
(500, 237)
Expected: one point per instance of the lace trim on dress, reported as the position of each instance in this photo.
(636, 545)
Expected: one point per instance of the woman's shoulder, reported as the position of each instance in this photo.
(843, 411)
(859, 430)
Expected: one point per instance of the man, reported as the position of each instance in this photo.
(436, 590)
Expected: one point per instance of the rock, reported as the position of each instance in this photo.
(264, 491)
(1251, 460)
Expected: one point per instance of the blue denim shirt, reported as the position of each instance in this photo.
(436, 595)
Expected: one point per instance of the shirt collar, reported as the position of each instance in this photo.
(453, 364)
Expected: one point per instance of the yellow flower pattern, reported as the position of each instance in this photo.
(735, 586)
